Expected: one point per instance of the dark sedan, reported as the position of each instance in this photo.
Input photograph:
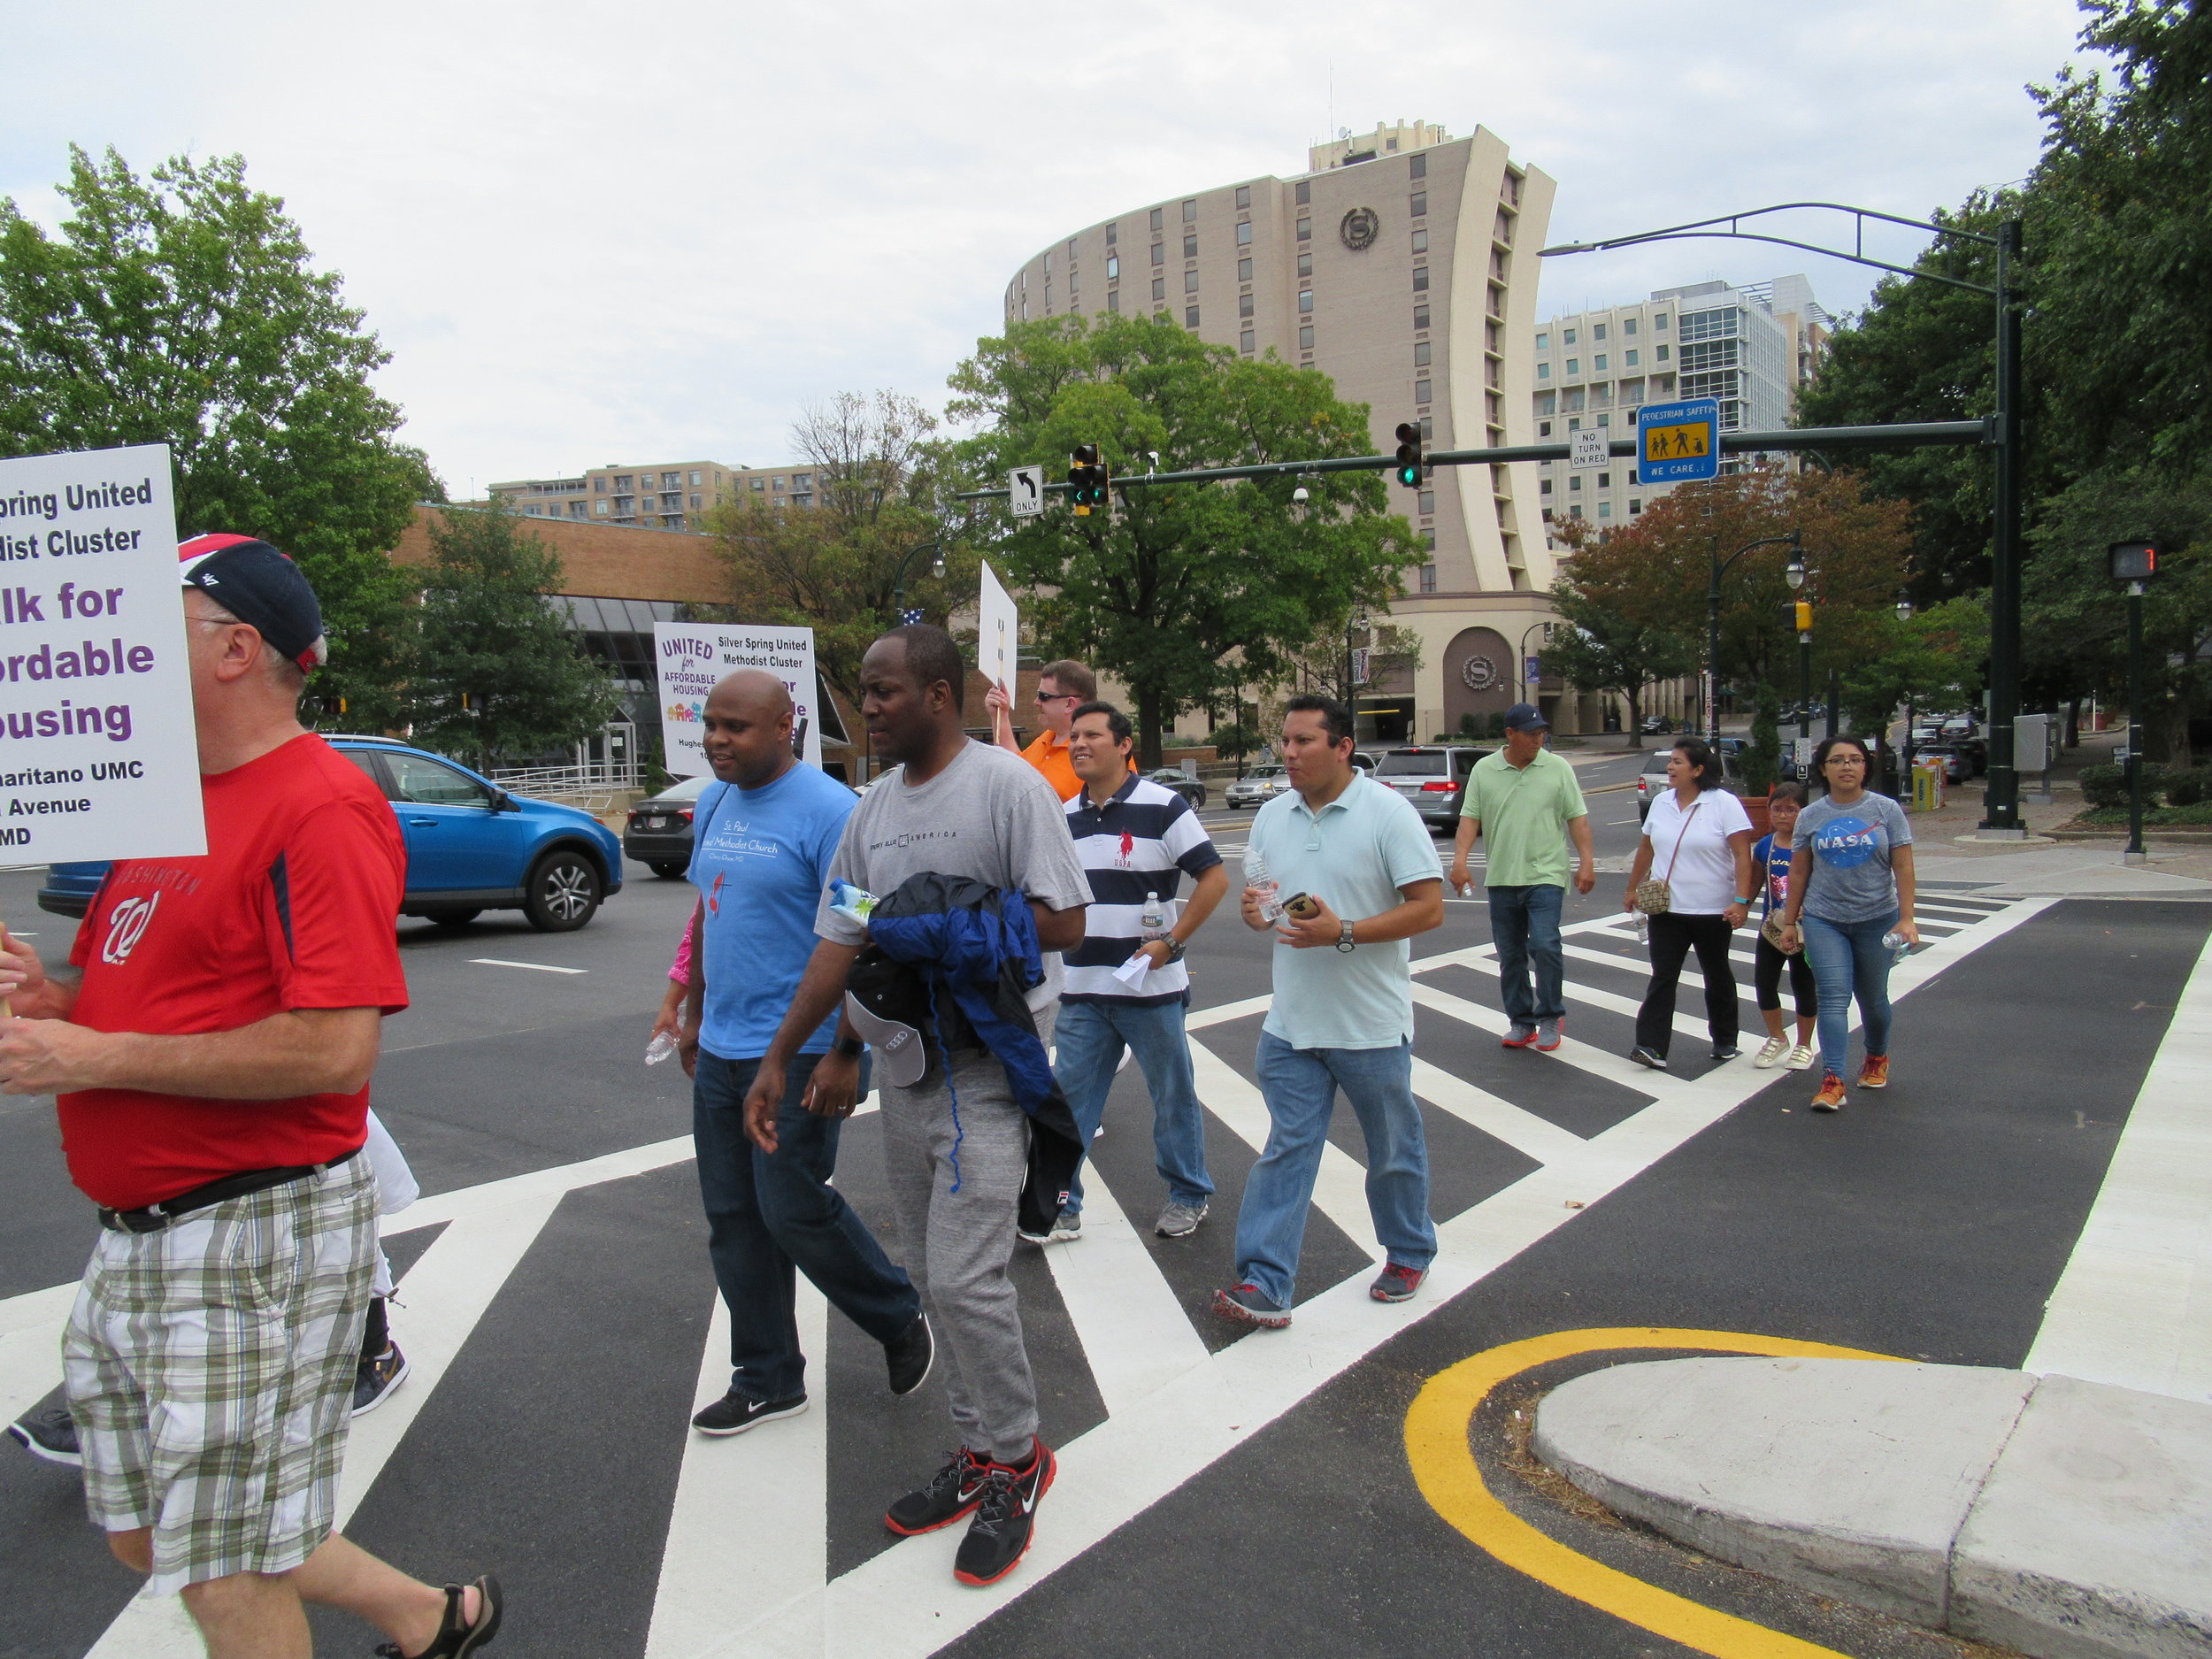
(1190, 788)
(658, 831)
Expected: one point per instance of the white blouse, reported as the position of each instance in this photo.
(1704, 871)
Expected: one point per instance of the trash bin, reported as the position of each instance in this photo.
(1927, 784)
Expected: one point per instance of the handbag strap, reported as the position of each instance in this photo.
(1677, 852)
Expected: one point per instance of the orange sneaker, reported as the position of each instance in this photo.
(1874, 1072)
(1831, 1096)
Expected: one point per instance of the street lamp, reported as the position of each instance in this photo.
(1904, 614)
(936, 568)
(2134, 563)
(1712, 617)
(1530, 682)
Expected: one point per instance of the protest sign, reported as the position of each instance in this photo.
(998, 635)
(97, 755)
(691, 656)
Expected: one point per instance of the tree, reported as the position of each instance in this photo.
(1183, 592)
(832, 567)
(184, 309)
(1935, 659)
(501, 678)
(1598, 647)
(1323, 665)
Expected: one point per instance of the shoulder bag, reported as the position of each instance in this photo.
(1656, 898)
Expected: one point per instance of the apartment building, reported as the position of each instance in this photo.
(1753, 348)
(670, 495)
(1402, 264)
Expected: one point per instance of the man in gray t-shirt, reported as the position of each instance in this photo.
(956, 1145)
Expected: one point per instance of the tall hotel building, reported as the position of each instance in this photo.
(1402, 264)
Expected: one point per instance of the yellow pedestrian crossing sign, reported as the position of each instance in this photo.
(1677, 441)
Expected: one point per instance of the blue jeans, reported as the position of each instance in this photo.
(770, 1212)
(1300, 1085)
(1090, 1037)
(1524, 927)
(1849, 957)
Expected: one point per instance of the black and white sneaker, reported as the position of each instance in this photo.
(50, 1432)
(951, 1493)
(1005, 1519)
(375, 1378)
(910, 1354)
(733, 1413)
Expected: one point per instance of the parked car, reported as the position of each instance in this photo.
(1364, 760)
(1656, 725)
(1256, 786)
(658, 831)
(1958, 767)
(1960, 725)
(1652, 781)
(471, 845)
(1190, 788)
(1434, 777)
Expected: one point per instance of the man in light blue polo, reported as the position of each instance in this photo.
(1354, 863)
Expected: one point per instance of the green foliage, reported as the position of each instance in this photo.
(183, 309)
(1763, 759)
(1234, 741)
(1935, 659)
(1182, 592)
(2108, 785)
(2197, 816)
(2186, 786)
(500, 678)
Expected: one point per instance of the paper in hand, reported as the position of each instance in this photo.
(1131, 973)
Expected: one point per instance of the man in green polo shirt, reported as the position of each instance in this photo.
(1520, 799)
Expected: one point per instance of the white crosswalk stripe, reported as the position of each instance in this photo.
(1171, 1407)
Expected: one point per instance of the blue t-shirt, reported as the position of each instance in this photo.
(760, 858)
(1775, 860)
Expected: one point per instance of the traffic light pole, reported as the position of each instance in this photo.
(2135, 854)
(2000, 800)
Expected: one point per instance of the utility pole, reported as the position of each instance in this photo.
(2001, 801)
(2134, 563)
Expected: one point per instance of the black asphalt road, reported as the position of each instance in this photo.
(1931, 1222)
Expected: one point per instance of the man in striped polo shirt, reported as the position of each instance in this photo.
(1137, 839)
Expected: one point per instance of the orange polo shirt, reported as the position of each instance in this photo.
(1049, 754)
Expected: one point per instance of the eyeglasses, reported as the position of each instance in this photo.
(1057, 696)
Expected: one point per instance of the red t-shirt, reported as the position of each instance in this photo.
(293, 906)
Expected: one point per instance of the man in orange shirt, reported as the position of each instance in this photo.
(1060, 687)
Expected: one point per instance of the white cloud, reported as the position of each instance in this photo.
(592, 233)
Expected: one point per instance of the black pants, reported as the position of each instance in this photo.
(1766, 980)
(1673, 938)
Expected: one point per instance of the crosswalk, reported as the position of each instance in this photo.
(1552, 1134)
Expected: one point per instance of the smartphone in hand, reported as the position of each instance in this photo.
(1300, 905)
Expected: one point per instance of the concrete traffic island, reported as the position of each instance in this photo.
(2064, 1519)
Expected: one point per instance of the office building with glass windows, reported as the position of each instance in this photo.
(1402, 264)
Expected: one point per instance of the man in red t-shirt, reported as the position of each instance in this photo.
(210, 1058)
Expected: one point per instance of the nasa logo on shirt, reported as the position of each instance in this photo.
(1846, 842)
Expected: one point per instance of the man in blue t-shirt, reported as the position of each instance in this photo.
(763, 836)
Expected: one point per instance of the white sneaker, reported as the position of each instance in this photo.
(1775, 1049)
(1801, 1059)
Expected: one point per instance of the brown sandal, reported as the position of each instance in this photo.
(456, 1639)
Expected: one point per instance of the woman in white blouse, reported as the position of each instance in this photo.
(1698, 838)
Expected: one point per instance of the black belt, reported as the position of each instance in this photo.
(154, 1217)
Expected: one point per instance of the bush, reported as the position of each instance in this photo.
(2186, 786)
(2108, 785)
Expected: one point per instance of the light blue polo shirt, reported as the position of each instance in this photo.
(1353, 855)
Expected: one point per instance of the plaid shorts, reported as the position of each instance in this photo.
(210, 1367)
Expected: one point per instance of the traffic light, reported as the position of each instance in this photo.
(1804, 616)
(1087, 479)
(1409, 463)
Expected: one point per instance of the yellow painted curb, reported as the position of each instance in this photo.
(1444, 1468)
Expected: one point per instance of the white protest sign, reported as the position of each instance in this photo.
(1588, 448)
(998, 635)
(1025, 491)
(99, 759)
(691, 656)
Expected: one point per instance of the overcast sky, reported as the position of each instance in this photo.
(594, 234)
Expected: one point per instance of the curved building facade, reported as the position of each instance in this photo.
(1402, 264)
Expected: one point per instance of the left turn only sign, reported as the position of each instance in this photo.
(1025, 489)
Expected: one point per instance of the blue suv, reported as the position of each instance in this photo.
(471, 845)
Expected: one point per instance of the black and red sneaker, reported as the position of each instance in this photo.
(1006, 1517)
(951, 1493)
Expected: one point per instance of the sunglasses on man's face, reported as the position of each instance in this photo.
(1057, 696)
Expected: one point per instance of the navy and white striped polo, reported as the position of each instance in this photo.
(1143, 841)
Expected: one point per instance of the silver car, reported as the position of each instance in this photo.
(1260, 784)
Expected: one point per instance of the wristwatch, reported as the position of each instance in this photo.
(1175, 947)
(1344, 938)
(848, 1048)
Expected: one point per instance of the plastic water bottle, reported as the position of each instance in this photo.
(1897, 945)
(662, 1048)
(1152, 920)
(1643, 928)
(1257, 878)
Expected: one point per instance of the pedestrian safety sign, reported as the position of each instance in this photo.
(1678, 442)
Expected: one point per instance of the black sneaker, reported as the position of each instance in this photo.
(50, 1432)
(1726, 1051)
(733, 1413)
(910, 1354)
(999, 1536)
(374, 1379)
(951, 1493)
(1651, 1057)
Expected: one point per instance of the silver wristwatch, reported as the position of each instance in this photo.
(1344, 937)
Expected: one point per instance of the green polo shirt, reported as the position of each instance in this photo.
(1525, 812)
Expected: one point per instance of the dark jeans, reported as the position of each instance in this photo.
(770, 1212)
(1524, 927)
(1673, 937)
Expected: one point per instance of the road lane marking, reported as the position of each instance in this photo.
(539, 967)
(1443, 1462)
(1522, 1130)
(1133, 1332)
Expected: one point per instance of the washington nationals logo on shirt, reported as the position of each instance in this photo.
(1846, 842)
(127, 926)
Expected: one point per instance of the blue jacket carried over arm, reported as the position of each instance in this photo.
(976, 946)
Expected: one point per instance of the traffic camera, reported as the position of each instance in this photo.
(1409, 462)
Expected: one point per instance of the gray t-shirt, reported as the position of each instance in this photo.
(990, 816)
(1851, 880)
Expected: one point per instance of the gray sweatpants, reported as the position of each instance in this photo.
(957, 1244)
